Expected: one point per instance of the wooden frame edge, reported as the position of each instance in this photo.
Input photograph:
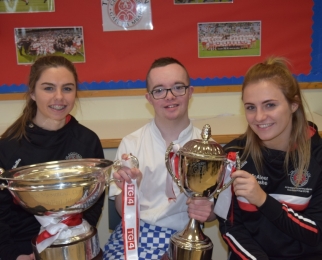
(141, 92)
(221, 139)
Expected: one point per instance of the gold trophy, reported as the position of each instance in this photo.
(200, 173)
(62, 190)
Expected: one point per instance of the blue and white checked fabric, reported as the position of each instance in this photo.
(153, 242)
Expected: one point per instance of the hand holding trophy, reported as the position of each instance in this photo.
(201, 172)
(57, 193)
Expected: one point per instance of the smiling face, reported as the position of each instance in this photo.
(170, 108)
(54, 94)
(269, 114)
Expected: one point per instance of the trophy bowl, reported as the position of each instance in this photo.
(62, 190)
(202, 166)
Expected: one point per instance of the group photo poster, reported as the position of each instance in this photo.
(26, 6)
(120, 15)
(32, 43)
(201, 1)
(229, 39)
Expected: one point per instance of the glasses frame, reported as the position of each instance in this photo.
(170, 89)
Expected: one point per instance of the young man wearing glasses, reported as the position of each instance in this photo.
(163, 209)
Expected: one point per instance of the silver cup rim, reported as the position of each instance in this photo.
(13, 174)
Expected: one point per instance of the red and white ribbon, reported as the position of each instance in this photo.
(130, 220)
(130, 215)
(224, 199)
(52, 228)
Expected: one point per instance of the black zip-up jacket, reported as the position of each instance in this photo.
(73, 141)
(289, 223)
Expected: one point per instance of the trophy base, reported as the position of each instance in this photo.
(85, 248)
(179, 253)
(189, 244)
(186, 256)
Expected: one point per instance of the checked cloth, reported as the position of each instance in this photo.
(153, 242)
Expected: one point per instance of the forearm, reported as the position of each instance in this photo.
(211, 217)
(240, 241)
(301, 227)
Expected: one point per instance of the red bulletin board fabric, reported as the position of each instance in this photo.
(126, 55)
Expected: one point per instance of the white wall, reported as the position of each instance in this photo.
(110, 108)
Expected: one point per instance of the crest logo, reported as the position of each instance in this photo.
(295, 178)
(73, 155)
(126, 13)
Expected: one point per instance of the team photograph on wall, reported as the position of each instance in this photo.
(26, 6)
(231, 39)
(32, 43)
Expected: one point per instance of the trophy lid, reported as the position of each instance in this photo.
(204, 148)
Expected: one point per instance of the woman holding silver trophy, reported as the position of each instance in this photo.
(276, 212)
(44, 132)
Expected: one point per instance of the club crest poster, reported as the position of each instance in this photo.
(124, 15)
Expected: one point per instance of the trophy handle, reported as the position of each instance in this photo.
(226, 185)
(169, 167)
(117, 164)
(2, 185)
(134, 163)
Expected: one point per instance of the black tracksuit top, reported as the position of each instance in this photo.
(73, 141)
(289, 223)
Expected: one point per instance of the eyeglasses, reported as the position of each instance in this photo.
(161, 93)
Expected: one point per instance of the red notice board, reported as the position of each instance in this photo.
(286, 30)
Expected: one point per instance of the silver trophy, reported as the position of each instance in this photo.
(60, 190)
(200, 173)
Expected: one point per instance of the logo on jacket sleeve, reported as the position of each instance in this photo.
(73, 156)
(298, 180)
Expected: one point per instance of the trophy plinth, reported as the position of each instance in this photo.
(83, 247)
(201, 172)
(191, 243)
(57, 193)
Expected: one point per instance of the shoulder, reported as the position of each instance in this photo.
(8, 144)
(235, 145)
(8, 147)
(316, 144)
(196, 130)
(137, 135)
(132, 142)
(315, 137)
(81, 132)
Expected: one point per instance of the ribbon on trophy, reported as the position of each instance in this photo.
(53, 227)
(130, 218)
(174, 160)
(224, 199)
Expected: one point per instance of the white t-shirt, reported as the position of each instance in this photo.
(148, 145)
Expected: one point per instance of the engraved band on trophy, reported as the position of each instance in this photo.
(201, 172)
(62, 190)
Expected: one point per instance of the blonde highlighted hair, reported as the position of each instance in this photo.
(275, 70)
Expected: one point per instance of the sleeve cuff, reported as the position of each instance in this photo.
(271, 208)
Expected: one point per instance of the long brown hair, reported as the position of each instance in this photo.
(17, 129)
(275, 70)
